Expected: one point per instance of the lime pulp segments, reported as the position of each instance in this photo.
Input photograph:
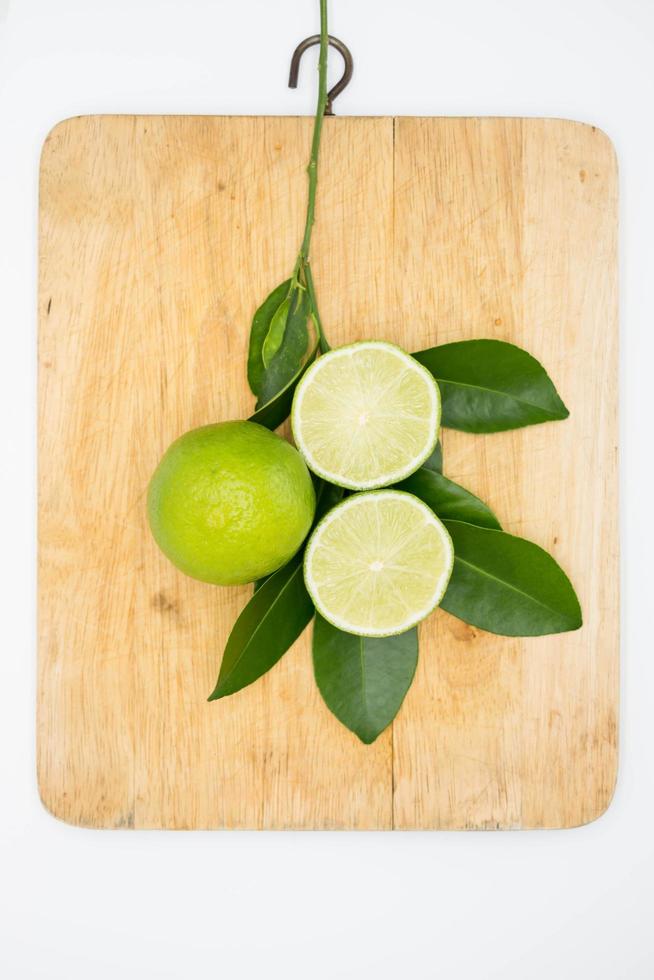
(366, 415)
(378, 563)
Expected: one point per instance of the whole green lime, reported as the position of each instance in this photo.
(230, 502)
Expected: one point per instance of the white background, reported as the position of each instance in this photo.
(520, 906)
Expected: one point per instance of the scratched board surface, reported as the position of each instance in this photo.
(158, 238)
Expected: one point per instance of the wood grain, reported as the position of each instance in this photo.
(507, 229)
(158, 237)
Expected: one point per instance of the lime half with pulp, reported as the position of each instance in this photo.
(366, 415)
(378, 563)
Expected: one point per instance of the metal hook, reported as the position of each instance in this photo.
(340, 85)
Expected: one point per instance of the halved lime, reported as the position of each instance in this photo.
(366, 415)
(378, 563)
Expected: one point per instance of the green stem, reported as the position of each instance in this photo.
(312, 169)
(302, 276)
(311, 290)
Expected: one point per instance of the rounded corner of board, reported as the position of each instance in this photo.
(60, 130)
(602, 805)
(598, 139)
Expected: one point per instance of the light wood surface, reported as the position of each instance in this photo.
(158, 237)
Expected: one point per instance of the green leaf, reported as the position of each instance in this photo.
(363, 679)
(507, 585)
(289, 357)
(327, 496)
(275, 335)
(448, 500)
(435, 461)
(491, 386)
(275, 411)
(258, 332)
(269, 624)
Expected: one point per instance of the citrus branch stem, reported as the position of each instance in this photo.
(311, 290)
(312, 169)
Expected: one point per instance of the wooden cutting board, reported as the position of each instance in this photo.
(158, 238)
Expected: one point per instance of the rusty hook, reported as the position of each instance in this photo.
(340, 85)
